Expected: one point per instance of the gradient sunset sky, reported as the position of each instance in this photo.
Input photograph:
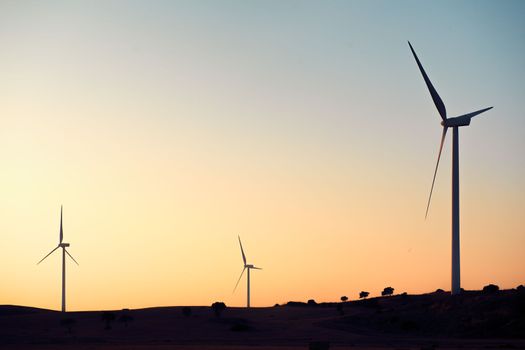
(167, 128)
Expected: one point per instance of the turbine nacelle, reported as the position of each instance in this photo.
(456, 121)
(63, 245)
(462, 120)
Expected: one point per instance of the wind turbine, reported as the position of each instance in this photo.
(454, 123)
(246, 267)
(62, 245)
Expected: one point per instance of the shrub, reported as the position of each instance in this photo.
(186, 311)
(319, 345)
(387, 291)
(344, 298)
(218, 307)
(68, 323)
(490, 288)
(125, 318)
(240, 327)
(363, 295)
(311, 302)
(108, 317)
(339, 308)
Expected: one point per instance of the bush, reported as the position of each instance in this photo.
(125, 318)
(319, 345)
(240, 327)
(491, 288)
(186, 311)
(363, 295)
(409, 325)
(387, 291)
(68, 323)
(311, 302)
(339, 308)
(218, 307)
(344, 298)
(108, 317)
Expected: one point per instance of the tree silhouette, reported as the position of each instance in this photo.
(339, 308)
(344, 298)
(363, 295)
(108, 317)
(218, 307)
(491, 288)
(186, 311)
(68, 323)
(125, 318)
(387, 291)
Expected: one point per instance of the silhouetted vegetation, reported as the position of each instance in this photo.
(344, 298)
(241, 326)
(491, 288)
(125, 318)
(311, 302)
(218, 307)
(472, 314)
(186, 311)
(363, 295)
(520, 288)
(319, 345)
(439, 291)
(387, 291)
(68, 323)
(339, 308)
(108, 317)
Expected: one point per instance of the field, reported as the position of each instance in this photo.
(473, 320)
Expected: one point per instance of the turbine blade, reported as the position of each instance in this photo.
(71, 256)
(242, 251)
(48, 255)
(256, 268)
(435, 96)
(473, 114)
(236, 284)
(61, 231)
(435, 171)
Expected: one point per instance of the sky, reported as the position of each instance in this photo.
(167, 128)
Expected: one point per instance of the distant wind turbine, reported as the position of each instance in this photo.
(62, 245)
(453, 123)
(246, 267)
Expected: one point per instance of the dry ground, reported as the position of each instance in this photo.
(379, 324)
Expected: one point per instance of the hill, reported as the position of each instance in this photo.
(470, 320)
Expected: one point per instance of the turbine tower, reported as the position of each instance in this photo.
(246, 267)
(454, 123)
(62, 245)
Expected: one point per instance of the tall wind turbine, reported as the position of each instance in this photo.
(62, 245)
(453, 123)
(246, 267)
